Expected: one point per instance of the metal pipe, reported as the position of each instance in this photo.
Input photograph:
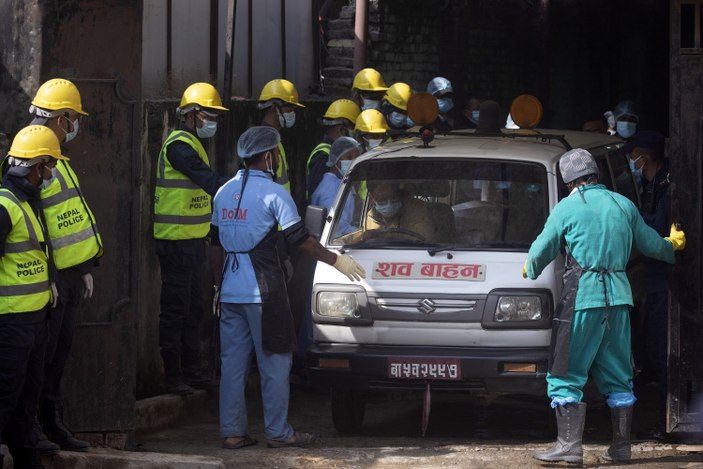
(226, 142)
(283, 38)
(360, 27)
(214, 33)
(250, 60)
(169, 38)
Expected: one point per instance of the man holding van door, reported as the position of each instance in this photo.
(591, 327)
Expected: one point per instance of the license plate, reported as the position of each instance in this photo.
(424, 368)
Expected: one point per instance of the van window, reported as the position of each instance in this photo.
(471, 204)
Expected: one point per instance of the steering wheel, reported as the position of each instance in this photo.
(385, 232)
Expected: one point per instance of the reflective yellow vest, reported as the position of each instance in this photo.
(282, 171)
(323, 147)
(182, 209)
(70, 224)
(24, 268)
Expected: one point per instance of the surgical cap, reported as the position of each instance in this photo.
(341, 147)
(439, 86)
(625, 107)
(257, 140)
(577, 163)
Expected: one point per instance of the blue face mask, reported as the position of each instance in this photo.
(409, 122)
(626, 129)
(636, 173)
(389, 208)
(445, 104)
(287, 119)
(207, 130)
(474, 116)
(344, 166)
(397, 119)
(371, 104)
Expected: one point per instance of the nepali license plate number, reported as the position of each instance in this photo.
(424, 368)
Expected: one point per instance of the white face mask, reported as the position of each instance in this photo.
(71, 135)
(397, 119)
(287, 119)
(374, 142)
(371, 104)
(207, 130)
(474, 116)
(344, 166)
(626, 129)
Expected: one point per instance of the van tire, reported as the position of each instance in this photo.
(348, 409)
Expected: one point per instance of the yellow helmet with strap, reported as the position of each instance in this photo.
(371, 121)
(35, 141)
(201, 96)
(58, 94)
(369, 79)
(342, 109)
(398, 95)
(280, 89)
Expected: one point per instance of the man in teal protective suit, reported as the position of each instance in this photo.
(591, 329)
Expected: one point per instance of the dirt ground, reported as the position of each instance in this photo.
(462, 433)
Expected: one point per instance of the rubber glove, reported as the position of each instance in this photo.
(88, 285)
(216, 301)
(349, 267)
(677, 238)
(524, 270)
(54, 295)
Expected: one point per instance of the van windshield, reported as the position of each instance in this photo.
(462, 204)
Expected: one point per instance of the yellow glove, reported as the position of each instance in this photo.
(524, 270)
(677, 238)
(349, 267)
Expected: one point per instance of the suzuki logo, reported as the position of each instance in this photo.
(426, 306)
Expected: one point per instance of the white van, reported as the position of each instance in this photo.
(445, 308)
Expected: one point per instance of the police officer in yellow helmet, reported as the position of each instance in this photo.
(338, 121)
(370, 129)
(185, 185)
(278, 100)
(368, 89)
(25, 288)
(76, 248)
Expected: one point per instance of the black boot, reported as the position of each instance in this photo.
(24, 458)
(570, 422)
(173, 374)
(41, 441)
(619, 451)
(193, 375)
(56, 429)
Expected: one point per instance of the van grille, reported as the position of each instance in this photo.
(432, 308)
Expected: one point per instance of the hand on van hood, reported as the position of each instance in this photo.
(349, 267)
(524, 270)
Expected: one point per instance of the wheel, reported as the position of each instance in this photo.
(347, 410)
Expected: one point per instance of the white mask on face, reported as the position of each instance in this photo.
(374, 142)
(287, 119)
(371, 104)
(72, 134)
(344, 166)
(474, 116)
(626, 129)
(207, 130)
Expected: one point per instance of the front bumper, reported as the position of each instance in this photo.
(483, 370)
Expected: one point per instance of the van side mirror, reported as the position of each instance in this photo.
(315, 220)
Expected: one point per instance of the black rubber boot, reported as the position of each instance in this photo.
(570, 422)
(56, 429)
(173, 374)
(23, 458)
(193, 375)
(41, 441)
(619, 451)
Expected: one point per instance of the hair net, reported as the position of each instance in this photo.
(439, 85)
(257, 140)
(577, 163)
(341, 147)
(625, 107)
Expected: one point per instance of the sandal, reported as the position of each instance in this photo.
(299, 439)
(245, 441)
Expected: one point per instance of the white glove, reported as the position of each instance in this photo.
(349, 267)
(216, 301)
(88, 285)
(54, 295)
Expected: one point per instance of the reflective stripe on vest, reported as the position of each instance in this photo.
(324, 148)
(71, 225)
(282, 171)
(24, 268)
(182, 209)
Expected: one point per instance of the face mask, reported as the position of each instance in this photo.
(271, 169)
(636, 173)
(374, 142)
(445, 105)
(409, 122)
(344, 166)
(207, 130)
(389, 208)
(71, 135)
(343, 131)
(370, 104)
(397, 119)
(626, 129)
(46, 182)
(474, 116)
(287, 119)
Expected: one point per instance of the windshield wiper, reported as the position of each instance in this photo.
(436, 249)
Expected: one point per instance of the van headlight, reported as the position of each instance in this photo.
(338, 304)
(518, 308)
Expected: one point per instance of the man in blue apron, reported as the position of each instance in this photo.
(255, 313)
(591, 328)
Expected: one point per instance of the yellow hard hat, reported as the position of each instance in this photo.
(342, 109)
(369, 79)
(280, 89)
(58, 94)
(202, 95)
(398, 95)
(371, 121)
(34, 141)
